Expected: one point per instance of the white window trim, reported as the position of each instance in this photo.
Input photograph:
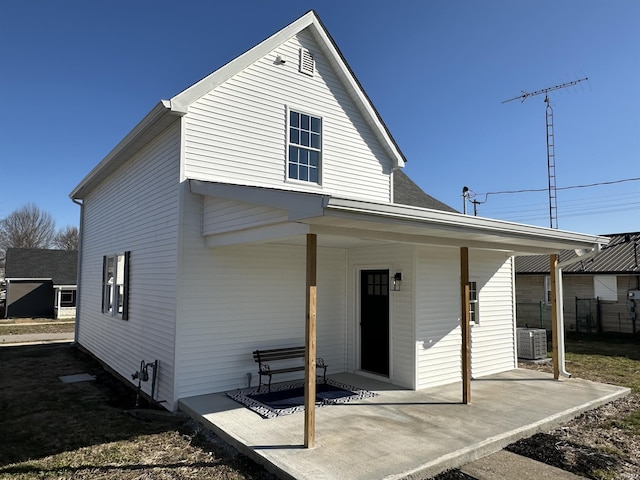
(111, 296)
(547, 290)
(476, 303)
(605, 287)
(296, 181)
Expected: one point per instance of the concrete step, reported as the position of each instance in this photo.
(505, 465)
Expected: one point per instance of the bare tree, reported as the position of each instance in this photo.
(67, 238)
(26, 227)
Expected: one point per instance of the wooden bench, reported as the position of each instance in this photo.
(263, 357)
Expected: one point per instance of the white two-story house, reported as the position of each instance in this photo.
(194, 236)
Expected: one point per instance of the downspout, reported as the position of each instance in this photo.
(79, 271)
(560, 301)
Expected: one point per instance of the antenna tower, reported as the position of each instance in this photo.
(551, 156)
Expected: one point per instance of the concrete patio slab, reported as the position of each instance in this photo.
(402, 433)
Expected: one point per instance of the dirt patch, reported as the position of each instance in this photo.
(25, 326)
(598, 444)
(52, 430)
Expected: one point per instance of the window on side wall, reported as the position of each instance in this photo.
(115, 285)
(304, 147)
(547, 290)
(67, 298)
(473, 303)
(605, 287)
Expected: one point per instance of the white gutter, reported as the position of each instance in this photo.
(458, 220)
(76, 326)
(560, 303)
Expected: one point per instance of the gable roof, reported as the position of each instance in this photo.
(59, 265)
(167, 111)
(620, 256)
(406, 192)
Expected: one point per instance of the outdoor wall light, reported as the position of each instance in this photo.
(397, 280)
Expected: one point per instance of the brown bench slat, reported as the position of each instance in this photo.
(261, 357)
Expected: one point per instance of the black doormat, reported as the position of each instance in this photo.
(288, 399)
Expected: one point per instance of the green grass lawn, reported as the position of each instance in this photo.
(611, 359)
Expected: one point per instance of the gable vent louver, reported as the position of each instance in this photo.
(307, 63)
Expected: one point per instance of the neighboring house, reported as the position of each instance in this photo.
(197, 228)
(40, 283)
(600, 295)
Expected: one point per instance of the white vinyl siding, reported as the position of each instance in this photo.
(237, 299)
(237, 133)
(135, 209)
(438, 316)
(492, 340)
(228, 215)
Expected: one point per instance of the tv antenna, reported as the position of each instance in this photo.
(551, 156)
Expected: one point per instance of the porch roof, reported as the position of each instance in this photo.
(341, 222)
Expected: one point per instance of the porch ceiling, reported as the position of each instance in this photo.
(346, 223)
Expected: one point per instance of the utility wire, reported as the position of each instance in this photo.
(486, 195)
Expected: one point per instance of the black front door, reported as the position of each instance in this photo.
(374, 321)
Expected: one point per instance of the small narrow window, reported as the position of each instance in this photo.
(473, 303)
(305, 147)
(547, 290)
(115, 285)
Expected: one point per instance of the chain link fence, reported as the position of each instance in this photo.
(584, 315)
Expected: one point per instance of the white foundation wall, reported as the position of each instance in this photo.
(135, 209)
(438, 316)
(492, 338)
(236, 299)
(237, 132)
(396, 258)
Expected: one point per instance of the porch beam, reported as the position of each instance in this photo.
(464, 325)
(346, 229)
(553, 263)
(310, 343)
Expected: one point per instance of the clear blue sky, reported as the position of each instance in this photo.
(76, 76)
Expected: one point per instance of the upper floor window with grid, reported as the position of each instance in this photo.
(305, 147)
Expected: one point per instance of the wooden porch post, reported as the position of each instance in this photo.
(310, 344)
(464, 324)
(553, 262)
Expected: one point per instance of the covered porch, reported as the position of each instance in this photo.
(430, 248)
(401, 432)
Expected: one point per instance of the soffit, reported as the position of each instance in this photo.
(368, 223)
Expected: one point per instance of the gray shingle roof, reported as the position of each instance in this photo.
(59, 265)
(622, 255)
(406, 192)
